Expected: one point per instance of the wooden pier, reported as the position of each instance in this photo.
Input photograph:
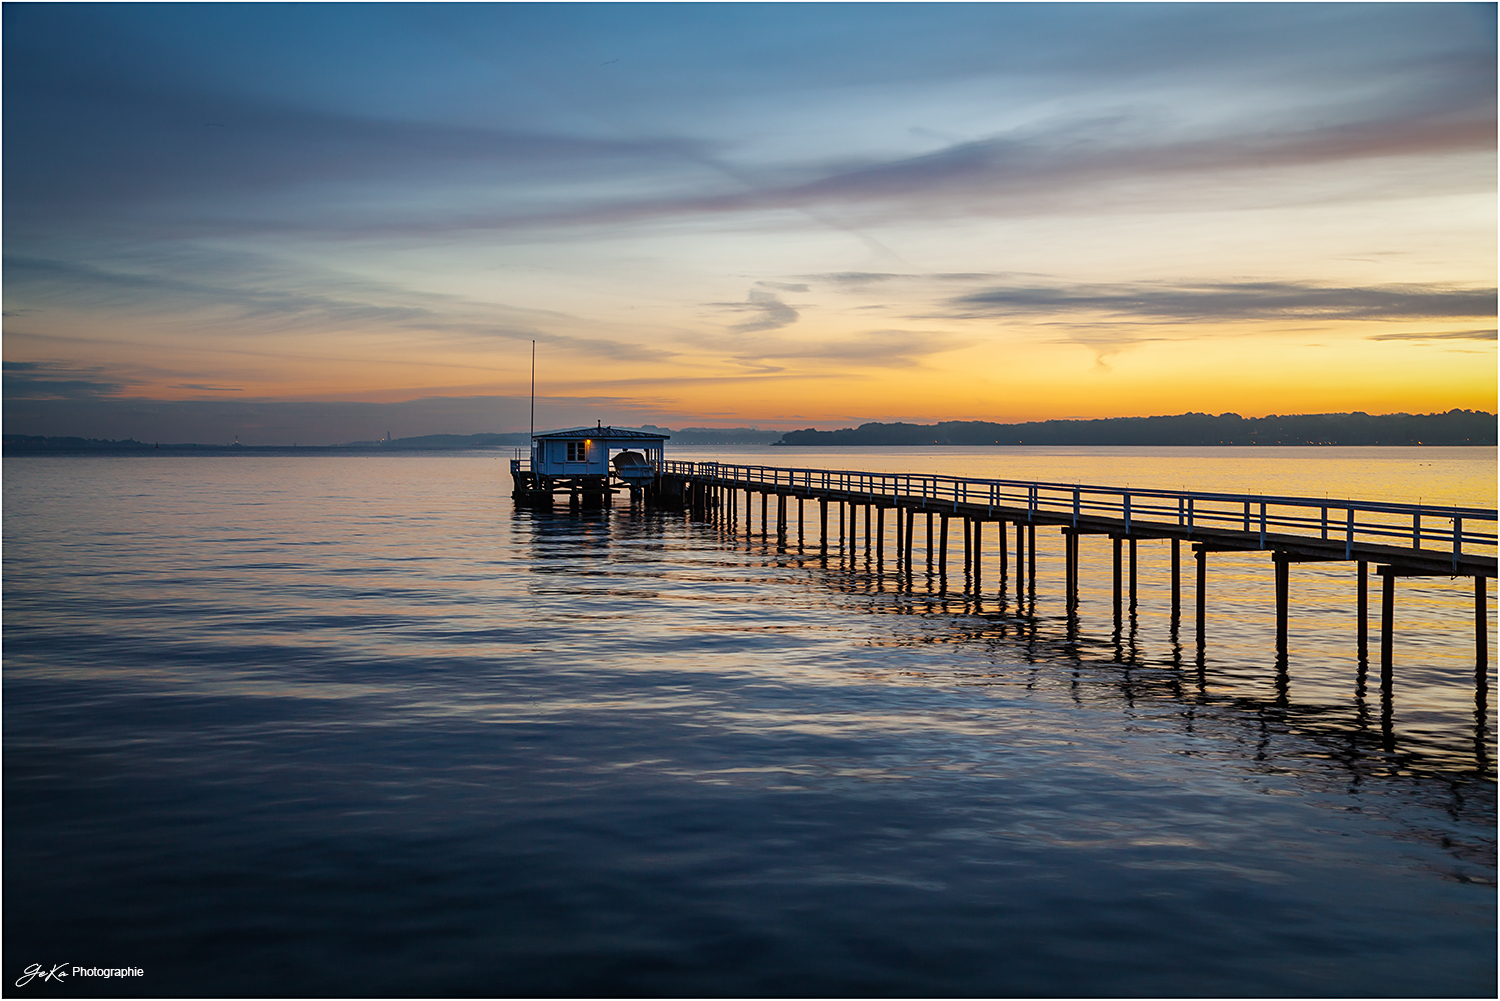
(1396, 540)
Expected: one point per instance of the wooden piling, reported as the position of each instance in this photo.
(968, 550)
(1202, 595)
(943, 548)
(1132, 575)
(1283, 594)
(799, 523)
(1003, 553)
(1115, 540)
(1481, 625)
(911, 524)
(1030, 557)
(1020, 558)
(823, 524)
(1176, 580)
(978, 549)
(1362, 611)
(928, 555)
(1070, 570)
(879, 532)
(1387, 621)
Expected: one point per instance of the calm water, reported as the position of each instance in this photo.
(357, 725)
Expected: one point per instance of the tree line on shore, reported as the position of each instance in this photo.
(1456, 427)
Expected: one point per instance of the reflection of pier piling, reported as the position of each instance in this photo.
(1402, 540)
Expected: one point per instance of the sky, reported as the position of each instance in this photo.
(323, 223)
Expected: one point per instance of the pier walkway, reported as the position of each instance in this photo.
(1401, 540)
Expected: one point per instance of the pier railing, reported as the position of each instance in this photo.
(1425, 527)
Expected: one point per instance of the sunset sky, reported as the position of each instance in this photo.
(322, 223)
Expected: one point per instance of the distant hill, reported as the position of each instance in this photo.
(39, 442)
(1456, 427)
(19, 444)
(35, 444)
(686, 436)
(446, 441)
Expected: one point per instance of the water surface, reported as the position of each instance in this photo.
(358, 725)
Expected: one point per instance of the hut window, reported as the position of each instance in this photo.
(578, 451)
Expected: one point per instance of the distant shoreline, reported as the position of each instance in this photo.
(139, 449)
(1454, 428)
(505, 451)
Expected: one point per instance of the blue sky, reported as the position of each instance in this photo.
(308, 222)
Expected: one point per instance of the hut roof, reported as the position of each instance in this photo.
(601, 433)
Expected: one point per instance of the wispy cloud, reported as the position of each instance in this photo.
(44, 381)
(1446, 335)
(767, 312)
(254, 295)
(76, 283)
(1227, 301)
(294, 171)
(199, 164)
(869, 349)
(1027, 171)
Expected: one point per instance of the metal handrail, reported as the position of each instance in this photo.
(1184, 508)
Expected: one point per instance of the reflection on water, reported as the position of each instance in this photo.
(361, 725)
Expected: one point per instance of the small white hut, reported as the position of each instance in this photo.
(579, 459)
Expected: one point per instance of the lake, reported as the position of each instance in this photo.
(357, 724)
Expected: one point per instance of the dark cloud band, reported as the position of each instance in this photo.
(1227, 301)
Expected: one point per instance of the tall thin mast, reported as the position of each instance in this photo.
(533, 398)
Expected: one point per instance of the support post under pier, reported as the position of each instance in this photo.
(1118, 571)
(929, 542)
(943, 549)
(1481, 625)
(1070, 575)
(1202, 597)
(1176, 581)
(1362, 612)
(1283, 595)
(978, 548)
(1031, 557)
(1387, 622)
(1020, 559)
(1004, 554)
